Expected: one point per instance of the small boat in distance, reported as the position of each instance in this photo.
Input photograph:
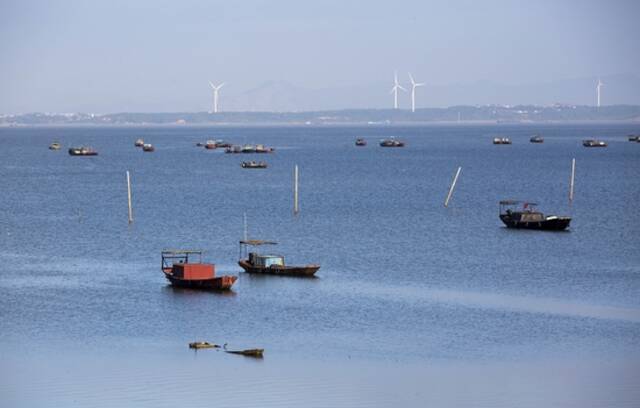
(148, 147)
(361, 142)
(270, 264)
(634, 138)
(254, 165)
(249, 148)
(55, 146)
(594, 143)
(391, 143)
(210, 144)
(536, 139)
(194, 275)
(501, 141)
(139, 143)
(82, 151)
(527, 217)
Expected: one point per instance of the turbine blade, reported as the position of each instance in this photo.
(411, 78)
(400, 87)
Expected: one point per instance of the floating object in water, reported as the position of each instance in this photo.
(82, 151)
(634, 138)
(139, 143)
(593, 143)
(391, 143)
(536, 139)
(202, 345)
(501, 140)
(195, 275)
(361, 142)
(148, 147)
(255, 353)
(270, 264)
(254, 165)
(528, 218)
(55, 146)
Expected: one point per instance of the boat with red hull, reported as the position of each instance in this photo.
(270, 264)
(180, 272)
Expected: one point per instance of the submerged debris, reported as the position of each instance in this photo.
(202, 345)
(256, 353)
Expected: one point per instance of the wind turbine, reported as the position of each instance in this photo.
(215, 95)
(600, 84)
(394, 90)
(414, 85)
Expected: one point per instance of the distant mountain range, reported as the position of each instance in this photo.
(485, 113)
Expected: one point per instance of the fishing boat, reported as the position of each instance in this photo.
(634, 138)
(536, 139)
(270, 264)
(210, 144)
(178, 270)
(361, 142)
(501, 141)
(522, 214)
(148, 147)
(391, 143)
(82, 151)
(139, 143)
(55, 146)
(254, 165)
(263, 149)
(233, 149)
(594, 143)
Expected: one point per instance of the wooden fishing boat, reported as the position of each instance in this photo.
(202, 345)
(536, 139)
(634, 138)
(519, 214)
(148, 147)
(361, 142)
(139, 143)
(210, 145)
(253, 262)
(593, 143)
(391, 143)
(501, 141)
(82, 151)
(194, 275)
(254, 165)
(55, 146)
(255, 353)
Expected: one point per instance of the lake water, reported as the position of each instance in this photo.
(414, 305)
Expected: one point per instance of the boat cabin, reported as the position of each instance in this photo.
(187, 264)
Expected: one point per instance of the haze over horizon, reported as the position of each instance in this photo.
(158, 56)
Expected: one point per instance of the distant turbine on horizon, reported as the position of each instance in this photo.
(414, 85)
(598, 89)
(394, 90)
(215, 95)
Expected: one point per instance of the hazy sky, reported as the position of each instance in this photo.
(150, 55)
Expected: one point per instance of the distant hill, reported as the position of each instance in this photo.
(486, 113)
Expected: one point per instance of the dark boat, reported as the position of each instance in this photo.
(536, 139)
(139, 143)
(254, 165)
(255, 353)
(55, 146)
(501, 141)
(519, 214)
(593, 143)
(361, 142)
(634, 138)
(82, 151)
(148, 147)
(194, 275)
(391, 143)
(210, 144)
(270, 264)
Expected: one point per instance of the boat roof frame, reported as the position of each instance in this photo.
(257, 242)
(516, 202)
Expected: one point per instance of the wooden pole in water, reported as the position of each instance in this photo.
(295, 190)
(453, 185)
(129, 197)
(572, 181)
(246, 229)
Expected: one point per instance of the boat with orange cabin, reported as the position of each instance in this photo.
(184, 268)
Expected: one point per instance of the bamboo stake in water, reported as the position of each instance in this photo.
(246, 229)
(572, 181)
(295, 190)
(453, 185)
(129, 197)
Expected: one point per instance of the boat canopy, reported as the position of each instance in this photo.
(516, 202)
(181, 251)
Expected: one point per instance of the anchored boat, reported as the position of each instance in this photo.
(501, 140)
(195, 275)
(139, 143)
(55, 146)
(82, 151)
(521, 214)
(593, 143)
(536, 139)
(391, 143)
(254, 165)
(148, 147)
(361, 142)
(252, 262)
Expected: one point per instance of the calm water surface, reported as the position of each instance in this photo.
(415, 304)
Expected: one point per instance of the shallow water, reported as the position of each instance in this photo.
(415, 304)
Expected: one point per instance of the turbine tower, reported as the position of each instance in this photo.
(215, 95)
(414, 85)
(394, 90)
(600, 84)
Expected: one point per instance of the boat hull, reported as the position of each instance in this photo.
(304, 270)
(550, 224)
(217, 283)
